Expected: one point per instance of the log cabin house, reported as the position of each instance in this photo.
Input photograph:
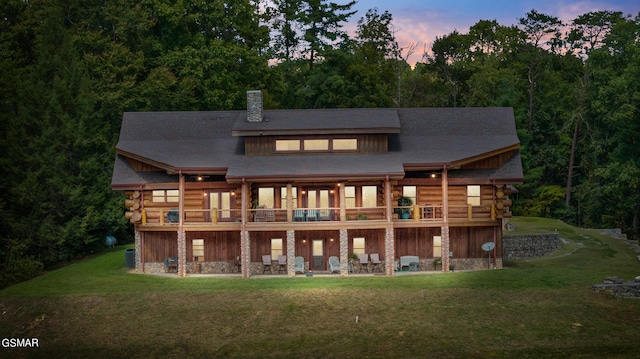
(213, 192)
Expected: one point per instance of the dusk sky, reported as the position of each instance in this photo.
(420, 21)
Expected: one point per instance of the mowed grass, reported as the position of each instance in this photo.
(544, 308)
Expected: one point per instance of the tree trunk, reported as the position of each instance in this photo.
(571, 161)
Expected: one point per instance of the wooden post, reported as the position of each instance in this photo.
(445, 221)
(182, 244)
(289, 203)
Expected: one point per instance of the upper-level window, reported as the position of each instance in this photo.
(316, 145)
(369, 196)
(266, 197)
(294, 197)
(345, 144)
(350, 196)
(287, 145)
(165, 196)
(410, 192)
(473, 195)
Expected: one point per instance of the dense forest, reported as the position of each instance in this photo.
(69, 69)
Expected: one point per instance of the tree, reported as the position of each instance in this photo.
(321, 26)
(285, 18)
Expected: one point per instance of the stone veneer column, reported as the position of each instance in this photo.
(344, 252)
(445, 248)
(138, 249)
(291, 253)
(182, 254)
(245, 253)
(389, 248)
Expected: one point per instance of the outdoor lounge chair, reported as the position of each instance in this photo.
(375, 262)
(312, 215)
(266, 263)
(270, 215)
(259, 214)
(298, 265)
(282, 264)
(411, 262)
(325, 214)
(364, 261)
(298, 215)
(333, 264)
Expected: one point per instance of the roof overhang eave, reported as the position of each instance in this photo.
(316, 178)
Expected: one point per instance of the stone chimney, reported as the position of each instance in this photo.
(254, 106)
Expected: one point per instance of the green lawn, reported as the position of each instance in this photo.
(543, 308)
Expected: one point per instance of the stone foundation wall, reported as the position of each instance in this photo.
(205, 267)
(526, 246)
(471, 264)
(618, 287)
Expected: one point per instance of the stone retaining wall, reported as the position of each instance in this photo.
(527, 246)
(618, 287)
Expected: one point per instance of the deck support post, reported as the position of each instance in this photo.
(344, 252)
(291, 253)
(245, 244)
(182, 240)
(389, 240)
(445, 221)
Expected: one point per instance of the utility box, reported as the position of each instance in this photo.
(130, 257)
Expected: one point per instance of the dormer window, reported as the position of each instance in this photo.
(345, 144)
(317, 145)
(287, 145)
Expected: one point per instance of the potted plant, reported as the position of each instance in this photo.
(436, 263)
(404, 202)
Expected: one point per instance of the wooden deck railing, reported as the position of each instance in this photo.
(419, 213)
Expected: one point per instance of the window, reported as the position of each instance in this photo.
(347, 144)
(358, 245)
(350, 196)
(410, 192)
(287, 145)
(165, 196)
(198, 250)
(266, 197)
(369, 196)
(222, 202)
(473, 195)
(316, 145)
(283, 197)
(437, 246)
(276, 248)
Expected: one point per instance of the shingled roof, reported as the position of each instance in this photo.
(213, 143)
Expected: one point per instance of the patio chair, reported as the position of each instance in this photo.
(298, 265)
(266, 263)
(325, 214)
(375, 262)
(259, 214)
(364, 262)
(282, 264)
(333, 264)
(312, 215)
(270, 215)
(298, 215)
